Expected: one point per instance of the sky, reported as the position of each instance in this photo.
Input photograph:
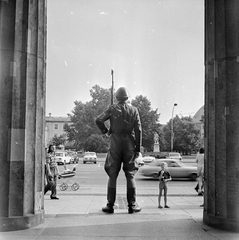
(156, 49)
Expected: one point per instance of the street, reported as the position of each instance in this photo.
(92, 177)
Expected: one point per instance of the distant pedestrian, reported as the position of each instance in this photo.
(200, 169)
(125, 140)
(164, 177)
(52, 172)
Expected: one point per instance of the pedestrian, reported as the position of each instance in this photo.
(164, 177)
(52, 172)
(200, 167)
(125, 140)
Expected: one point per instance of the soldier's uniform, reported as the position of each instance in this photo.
(125, 141)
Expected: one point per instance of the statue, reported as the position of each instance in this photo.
(156, 142)
(156, 138)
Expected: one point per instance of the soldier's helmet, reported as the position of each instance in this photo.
(122, 94)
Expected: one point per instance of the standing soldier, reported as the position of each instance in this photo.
(125, 140)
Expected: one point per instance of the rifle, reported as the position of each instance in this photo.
(112, 87)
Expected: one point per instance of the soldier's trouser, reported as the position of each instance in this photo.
(113, 164)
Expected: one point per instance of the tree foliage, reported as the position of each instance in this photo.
(83, 118)
(85, 134)
(186, 135)
(58, 140)
(96, 143)
(149, 121)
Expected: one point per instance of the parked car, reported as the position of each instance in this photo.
(62, 156)
(76, 158)
(148, 159)
(176, 168)
(139, 160)
(71, 154)
(90, 157)
(175, 155)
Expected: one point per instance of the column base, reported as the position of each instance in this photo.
(21, 222)
(221, 223)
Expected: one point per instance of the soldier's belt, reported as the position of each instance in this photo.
(121, 132)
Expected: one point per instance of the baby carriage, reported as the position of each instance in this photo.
(67, 173)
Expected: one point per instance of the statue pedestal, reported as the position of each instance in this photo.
(156, 147)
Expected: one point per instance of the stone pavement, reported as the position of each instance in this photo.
(78, 215)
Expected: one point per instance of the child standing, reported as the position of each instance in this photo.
(164, 177)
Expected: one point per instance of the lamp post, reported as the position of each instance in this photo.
(172, 134)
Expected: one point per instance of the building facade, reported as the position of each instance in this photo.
(54, 127)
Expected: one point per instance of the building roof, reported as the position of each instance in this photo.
(58, 119)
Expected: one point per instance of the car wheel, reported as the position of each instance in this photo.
(194, 177)
(84, 162)
(95, 162)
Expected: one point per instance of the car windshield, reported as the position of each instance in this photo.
(89, 154)
(169, 162)
(174, 154)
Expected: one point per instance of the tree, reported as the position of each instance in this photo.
(186, 135)
(83, 129)
(83, 117)
(58, 140)
(149, 121)
(100, 99)
(82, 126)
(96, 143)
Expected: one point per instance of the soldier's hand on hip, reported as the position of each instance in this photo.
(107, 134)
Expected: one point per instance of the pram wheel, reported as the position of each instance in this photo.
(75, 186)
(63, 186)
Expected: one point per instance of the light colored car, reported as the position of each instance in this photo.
(175, 155)
(90, 157)
(63, 157)
(176, 168)
(148, 159)
(74, 157)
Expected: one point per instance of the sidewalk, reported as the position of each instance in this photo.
(78, 215)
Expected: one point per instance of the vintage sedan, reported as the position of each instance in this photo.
(148, 159)
(175, 155)
(90, 157)
(176, 168)
(63, 157)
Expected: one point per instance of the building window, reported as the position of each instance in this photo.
(56, 126)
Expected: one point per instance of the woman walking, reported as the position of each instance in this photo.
(52, 172)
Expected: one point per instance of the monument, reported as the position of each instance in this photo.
(156, 142)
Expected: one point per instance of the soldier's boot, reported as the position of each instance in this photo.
(109, 208)
(132, 205)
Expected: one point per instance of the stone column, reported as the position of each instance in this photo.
(222, 114)
(22, 112)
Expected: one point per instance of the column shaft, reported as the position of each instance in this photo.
(222, 114)
(22, 112)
